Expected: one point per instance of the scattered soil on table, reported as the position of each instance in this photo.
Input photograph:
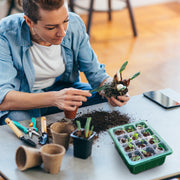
(103, 120)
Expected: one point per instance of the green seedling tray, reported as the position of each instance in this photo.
(157, 156)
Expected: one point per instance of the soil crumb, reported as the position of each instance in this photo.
(103, 120)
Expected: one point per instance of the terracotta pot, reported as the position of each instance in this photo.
(52, 155)
(70, 114)
(82, 146)
(27, 157)
(61, 133)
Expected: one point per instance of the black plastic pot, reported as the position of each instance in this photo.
(82, 146)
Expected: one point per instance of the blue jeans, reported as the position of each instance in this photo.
(28, 114)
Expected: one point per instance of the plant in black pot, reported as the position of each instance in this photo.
(83, 139)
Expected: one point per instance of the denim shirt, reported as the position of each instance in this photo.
(16, 68)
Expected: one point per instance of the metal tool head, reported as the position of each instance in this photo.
(28, 141)
(43, 139)
(32, 131)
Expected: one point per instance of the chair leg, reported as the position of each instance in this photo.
(131, 17)
(71, 5)
(90, 16)
(11, 6)
(109, 10)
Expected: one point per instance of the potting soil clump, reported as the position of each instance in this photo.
(102, 120)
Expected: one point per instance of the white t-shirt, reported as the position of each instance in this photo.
(48, 64)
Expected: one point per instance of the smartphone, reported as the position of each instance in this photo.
(161, 99)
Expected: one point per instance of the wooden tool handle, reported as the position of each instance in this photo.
(43, 125)
(13, 127)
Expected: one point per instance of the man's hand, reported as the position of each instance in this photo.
(66, 99)
(70, 98)
(120, 101)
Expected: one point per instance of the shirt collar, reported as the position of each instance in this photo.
(67, 40)
(25, 38)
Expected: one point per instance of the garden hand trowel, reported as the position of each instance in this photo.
(19, 134)
(44, 137)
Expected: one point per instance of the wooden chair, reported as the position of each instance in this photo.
(91, 10)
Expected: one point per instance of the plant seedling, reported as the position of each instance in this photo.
(159, 148)
(135, 158)
(140, 126)
(146, 153)
(146, 133)
(118, 76)
(87, 132)
(130, 129)
(143, 151)
(153, 140)
(130, 145)
(142, 141)
(118, 87)
(136, 135)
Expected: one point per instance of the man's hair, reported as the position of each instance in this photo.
(31, 7)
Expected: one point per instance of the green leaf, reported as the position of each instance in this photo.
(135, 75)
(123, 66)
(143, 151)
(87, 126)
(99, 88)
(155, 139)
(92, 127)
(136, 135)
(129, 144)
(136, 158)
(78, 125)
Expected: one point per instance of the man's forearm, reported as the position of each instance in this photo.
(15, 100)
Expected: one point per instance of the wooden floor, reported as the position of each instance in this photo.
(155, 52)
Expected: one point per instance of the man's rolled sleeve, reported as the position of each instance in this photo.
(7, 70)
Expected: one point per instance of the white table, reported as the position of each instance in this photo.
(105, 162)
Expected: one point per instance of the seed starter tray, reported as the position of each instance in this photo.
(139, 146)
